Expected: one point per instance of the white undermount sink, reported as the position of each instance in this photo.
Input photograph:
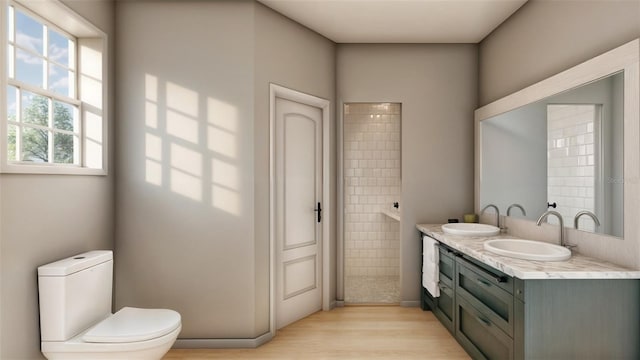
(470, 229)
(527, 249)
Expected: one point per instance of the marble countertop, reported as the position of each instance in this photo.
(577, 267)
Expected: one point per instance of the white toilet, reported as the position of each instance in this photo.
(76, 320)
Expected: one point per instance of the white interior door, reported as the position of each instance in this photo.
(298, 175)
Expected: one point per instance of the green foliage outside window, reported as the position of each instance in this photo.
(35, 141)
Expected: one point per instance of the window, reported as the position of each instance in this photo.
(54, 119)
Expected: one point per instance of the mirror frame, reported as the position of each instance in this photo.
(625, 58)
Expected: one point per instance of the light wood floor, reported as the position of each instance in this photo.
(352, 332)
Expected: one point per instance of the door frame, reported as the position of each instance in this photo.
(324, 105)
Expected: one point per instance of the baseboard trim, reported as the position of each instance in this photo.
(413, 303)
(222, 343)
(340, 303)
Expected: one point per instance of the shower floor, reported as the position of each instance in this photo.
(372, 290)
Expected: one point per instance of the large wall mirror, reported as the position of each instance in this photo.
(567, 144)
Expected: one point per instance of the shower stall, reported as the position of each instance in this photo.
(372, 186)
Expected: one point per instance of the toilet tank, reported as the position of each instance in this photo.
(75, 293)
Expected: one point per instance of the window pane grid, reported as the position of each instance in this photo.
(47, 93)
(42, 129)
(10, 62)
(12, 142)
(42, 62)
(49, 48)
(24, 57)
(10, 25)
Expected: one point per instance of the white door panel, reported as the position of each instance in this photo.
(298, 170)
(299, 182)
(299, 276)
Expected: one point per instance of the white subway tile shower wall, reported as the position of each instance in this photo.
(372, 183)
(572, 160)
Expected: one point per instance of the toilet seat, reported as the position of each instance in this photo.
(133, 325)
(68, 349)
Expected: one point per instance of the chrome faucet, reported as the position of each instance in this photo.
(588, 213)
(517, 206)
(557, 214)
(497, 213)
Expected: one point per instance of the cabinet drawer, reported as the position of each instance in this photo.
(428, 301)
(479, 335)
(495, 277)
(446, 265)
(483, 292)
(445, 307)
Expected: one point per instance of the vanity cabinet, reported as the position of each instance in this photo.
(496, 316)
(484, 311)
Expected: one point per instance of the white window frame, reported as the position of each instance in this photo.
(79, 29)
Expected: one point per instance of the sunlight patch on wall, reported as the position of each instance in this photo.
(180, 157)
(151, 88)
(187, 160)
(153, 163)
(151, 104)
(90, 92)
(223, 125)
(182, 99)
(153, 172)
(153, 147)
(222, 139)
(93, 154)
(222, 142)
(222, 115)
(225, 174)
(225, 199)
(182, 126)
(151, 115)
(90, 84)
(93, 128)
(91, 62)
(186, 185)
(186, 172)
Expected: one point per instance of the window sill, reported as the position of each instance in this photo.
(50, 170)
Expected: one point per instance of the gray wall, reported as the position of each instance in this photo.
(46, 218)
(437, 87)
(293, 56)
(545, 37)
(184, 215)
(200, 245)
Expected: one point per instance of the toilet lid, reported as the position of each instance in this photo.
(133, 324)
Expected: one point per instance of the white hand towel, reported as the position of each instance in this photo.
(430, 268)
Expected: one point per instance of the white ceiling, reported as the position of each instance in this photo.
(399, 21)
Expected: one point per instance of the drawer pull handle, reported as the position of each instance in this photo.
(501, 279)
(445, 289)
(483, 321)
(483, 282)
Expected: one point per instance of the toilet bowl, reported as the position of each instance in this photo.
(76, 320)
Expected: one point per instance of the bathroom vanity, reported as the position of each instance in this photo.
(504, 308)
